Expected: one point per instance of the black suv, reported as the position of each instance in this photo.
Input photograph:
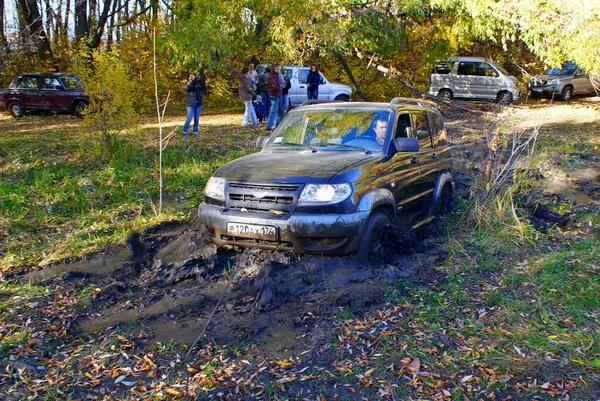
(332, 176)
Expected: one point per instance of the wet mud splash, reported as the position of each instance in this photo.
(175, 285)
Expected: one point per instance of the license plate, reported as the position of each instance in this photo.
(252, 231)
(536, 90)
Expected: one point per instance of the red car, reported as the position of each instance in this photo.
(44, 91)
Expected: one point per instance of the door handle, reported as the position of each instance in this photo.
(414, 160)
(434, 156)
(302, 87)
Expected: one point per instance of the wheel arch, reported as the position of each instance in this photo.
(444, 179)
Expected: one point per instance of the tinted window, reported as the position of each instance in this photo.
(421, 130)
(475, 68)
(442, 67)
(28, 83)
(438, 130)
(401, 127)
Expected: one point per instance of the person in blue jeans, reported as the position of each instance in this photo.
(313, 80)
(193, 101)
(275, 95)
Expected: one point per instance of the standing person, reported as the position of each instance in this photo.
(313, 80)
(282, 85)
(194, 88)
(275, 95)
(285, 90)
(253, 75)
(262, 88)
(246, 94)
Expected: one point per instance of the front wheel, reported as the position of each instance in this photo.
(371, 247)
(504, 98)
(567, 94)
(343, 98)
(15, 109)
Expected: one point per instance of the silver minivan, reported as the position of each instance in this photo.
(473, 78)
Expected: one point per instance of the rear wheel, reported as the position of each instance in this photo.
(567, 93)
(445, 203)
(371, 247)
(504, 98)
(343, 98)
(15, 109)
(445, 94)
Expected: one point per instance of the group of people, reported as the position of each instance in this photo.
(264, 93)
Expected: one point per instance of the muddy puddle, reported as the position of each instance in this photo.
(177, 286)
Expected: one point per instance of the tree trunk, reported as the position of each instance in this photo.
(351, 77)
(3, 41)
(82, 28)
(99, 30)
(34, 26)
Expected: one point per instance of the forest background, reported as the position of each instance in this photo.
(113, 41)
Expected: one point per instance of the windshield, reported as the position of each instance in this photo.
(337, 129)
(564, 70)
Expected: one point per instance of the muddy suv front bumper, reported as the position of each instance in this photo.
(306, 233)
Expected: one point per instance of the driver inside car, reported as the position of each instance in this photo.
(380, 128)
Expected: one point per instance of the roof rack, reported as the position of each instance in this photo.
(418, 102)
(317, 101)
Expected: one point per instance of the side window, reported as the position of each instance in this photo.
(421, 130)
(472, 68)
(28, 83)
(402, 125)
(49, 83)
(489, 71)
(302, 74)
(438, 130)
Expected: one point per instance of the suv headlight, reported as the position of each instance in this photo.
(314, 194)
(215, 188)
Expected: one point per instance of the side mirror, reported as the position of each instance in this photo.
(260, 141)
(406, 144)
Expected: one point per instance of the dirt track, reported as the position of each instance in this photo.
(183, 288)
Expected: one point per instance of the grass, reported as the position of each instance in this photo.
(67, 191)
(517, 308)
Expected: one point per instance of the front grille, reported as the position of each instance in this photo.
(258, 197)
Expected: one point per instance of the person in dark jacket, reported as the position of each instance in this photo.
(246, 94)
(275, 94)
(285, 99)
(313, 80)
(262, 87)
(193, 101)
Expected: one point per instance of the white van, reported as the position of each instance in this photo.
(473, 78)
(327, 90)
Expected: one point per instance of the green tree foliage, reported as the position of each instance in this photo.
(111, 90)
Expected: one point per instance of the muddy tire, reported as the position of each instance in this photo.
(567, 94)
(15, 109)
(504, 98)
(370, 247)
(445, 94)
(446, 202)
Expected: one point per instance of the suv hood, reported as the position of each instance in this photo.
(291, 167)
(544, 77)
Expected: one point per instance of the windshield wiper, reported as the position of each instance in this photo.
(295, 144)
(352, 146)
